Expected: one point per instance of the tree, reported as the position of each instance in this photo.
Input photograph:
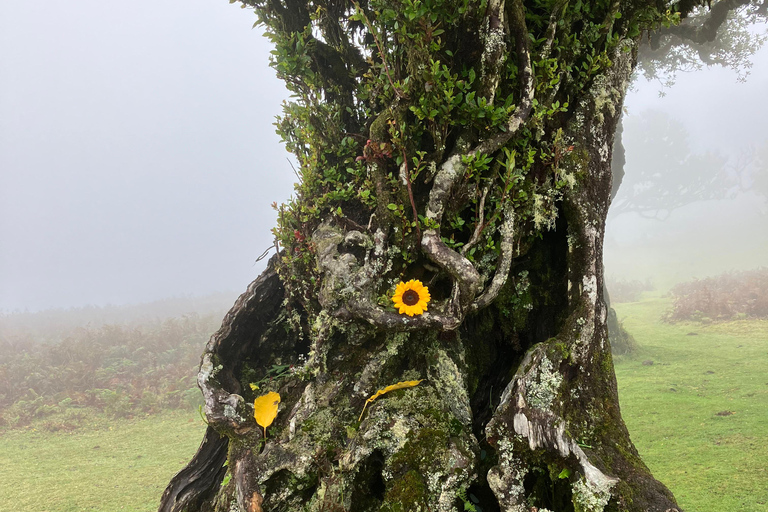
(467, 146)
(664, 174)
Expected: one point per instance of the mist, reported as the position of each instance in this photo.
(693, 202)
(137, 154)
(138, 159)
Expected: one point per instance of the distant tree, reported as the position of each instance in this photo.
(726, 37)
(726, 34)
(468, 146)
(662, 173)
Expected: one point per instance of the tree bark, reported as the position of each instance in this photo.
(523, 411)
(517, 401)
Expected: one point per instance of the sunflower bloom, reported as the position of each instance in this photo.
(411, 298)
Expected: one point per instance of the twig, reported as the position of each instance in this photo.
(264, 254)
(381, 51)
(504, 262)
(407, 174)
(479, 224)
(552, 28)
(294, 170)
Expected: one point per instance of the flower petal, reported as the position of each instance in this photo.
(414, 309)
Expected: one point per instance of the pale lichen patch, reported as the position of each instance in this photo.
(591, 496)
(449, 379)
(541, 391)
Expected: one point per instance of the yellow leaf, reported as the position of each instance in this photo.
(393, 387)
(265, 409)
(254, 387)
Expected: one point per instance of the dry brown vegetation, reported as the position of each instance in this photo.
(621, 290)
(120, 369)
(723, 297)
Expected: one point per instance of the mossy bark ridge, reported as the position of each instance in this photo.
(466, 146)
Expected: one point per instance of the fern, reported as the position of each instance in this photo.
(468, 505)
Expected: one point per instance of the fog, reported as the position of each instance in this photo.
(716, 133)
(138, 158)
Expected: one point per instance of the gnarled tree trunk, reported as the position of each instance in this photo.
(518, 403)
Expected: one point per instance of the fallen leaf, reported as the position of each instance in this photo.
(265, 409)
(393, 387)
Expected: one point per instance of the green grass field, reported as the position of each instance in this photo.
(106, 466)
(699, 414)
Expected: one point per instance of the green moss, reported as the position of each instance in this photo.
(322, 427)
(409, 493)
(515, 302)
(557, 350)
(544, 392)
(420, 450)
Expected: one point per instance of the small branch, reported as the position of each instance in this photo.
(504, 262)
(459, 267)
(523, 110)
(294, 169)
(381, 51)
(407, 174)
(265, 253)
(546, 48)
(479, 224)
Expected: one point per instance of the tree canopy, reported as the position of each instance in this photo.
(396, 104)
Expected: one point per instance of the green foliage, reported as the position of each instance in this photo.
(256, 380)
(384, 93)
(469, 501)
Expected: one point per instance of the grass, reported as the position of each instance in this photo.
(698, 414)
(711, 462)
(107, 466)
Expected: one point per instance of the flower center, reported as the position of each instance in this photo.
(410, 298)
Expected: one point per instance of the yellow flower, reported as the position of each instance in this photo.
(411, 298)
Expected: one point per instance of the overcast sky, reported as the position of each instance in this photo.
(137, 154)
(138, 158)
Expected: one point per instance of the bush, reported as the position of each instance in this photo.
(620, 290)
(729, 296)
(119, 370)
(622, 343)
